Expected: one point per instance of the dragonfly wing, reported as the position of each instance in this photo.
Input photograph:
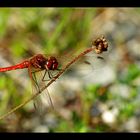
(96, 61)
(38, 105)
(37, 101)
(86, 65)
(46, 98)
(45, 93)
(43, 101)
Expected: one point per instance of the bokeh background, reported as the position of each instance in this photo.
(107, 99)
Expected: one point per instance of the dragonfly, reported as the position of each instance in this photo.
(36, 65)
(39, 66)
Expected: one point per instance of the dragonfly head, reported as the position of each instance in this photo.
(51, 63)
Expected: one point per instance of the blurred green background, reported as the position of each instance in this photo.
(106, 100)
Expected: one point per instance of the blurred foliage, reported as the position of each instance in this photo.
(132, 72)
(112, 105)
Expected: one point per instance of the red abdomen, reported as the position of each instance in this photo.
(22, 65)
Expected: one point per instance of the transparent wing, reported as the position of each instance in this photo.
(86, 65)
(43, 101)
(45, 96)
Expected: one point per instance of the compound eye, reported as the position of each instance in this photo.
(55, 66)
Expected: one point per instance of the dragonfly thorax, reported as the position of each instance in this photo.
(41, 62)
(38, 61)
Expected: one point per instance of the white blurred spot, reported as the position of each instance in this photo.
(108, 117)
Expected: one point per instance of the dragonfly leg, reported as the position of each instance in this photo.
(43, 78)
(50, 75)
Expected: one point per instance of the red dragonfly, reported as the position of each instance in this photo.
(36, 65)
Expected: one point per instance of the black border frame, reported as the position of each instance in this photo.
(69, 3)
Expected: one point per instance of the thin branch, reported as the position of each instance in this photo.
(99, 45)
